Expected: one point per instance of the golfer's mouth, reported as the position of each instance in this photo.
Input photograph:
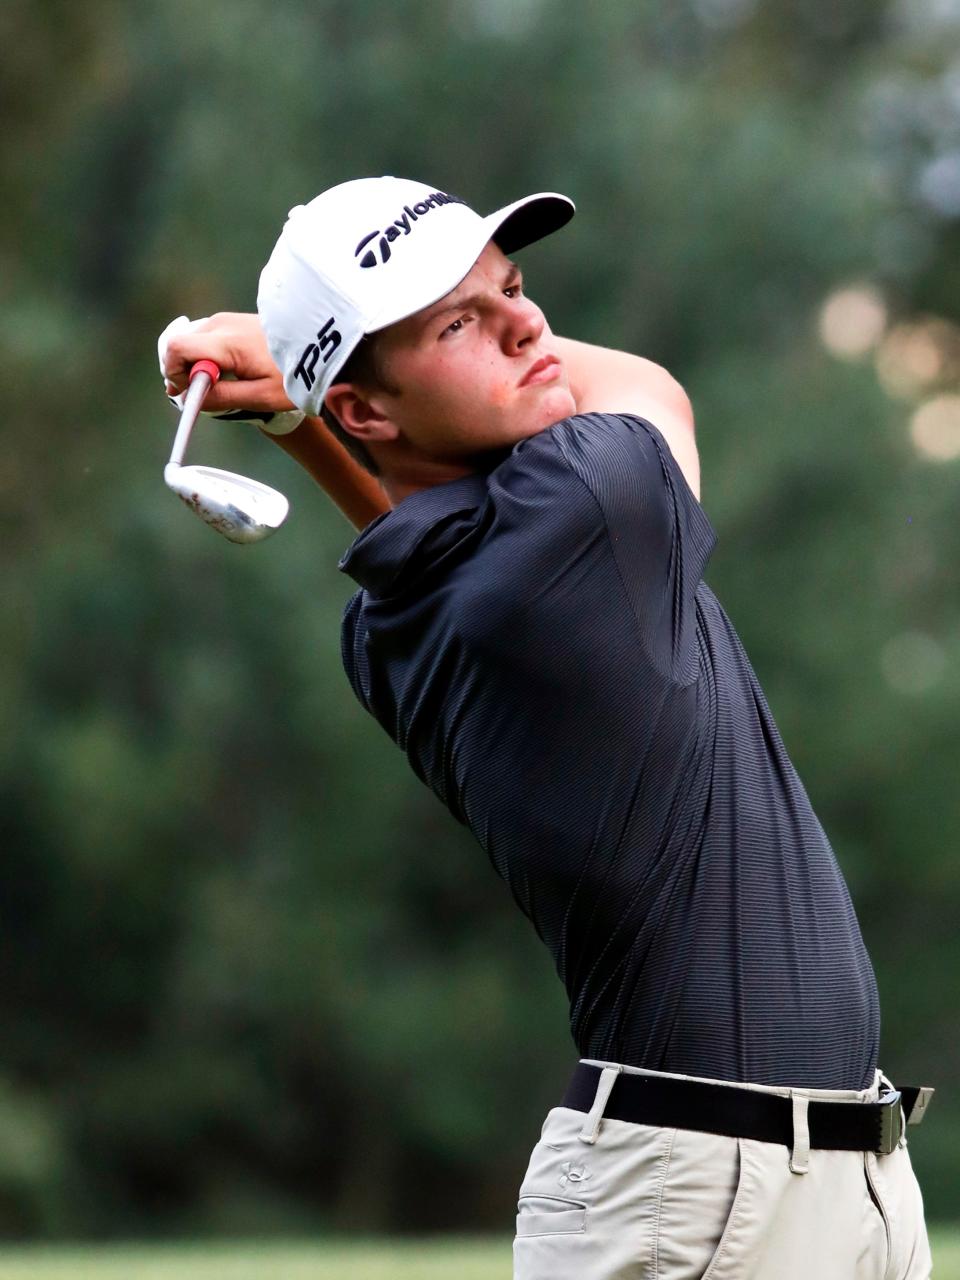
(545, 370)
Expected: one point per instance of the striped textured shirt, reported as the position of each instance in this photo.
(539, 641)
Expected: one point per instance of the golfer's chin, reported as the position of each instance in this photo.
(553, 404)
(549, 412)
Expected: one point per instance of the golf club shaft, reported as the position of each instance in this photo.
(349, 486)
(201, 380)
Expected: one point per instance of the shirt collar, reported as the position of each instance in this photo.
(377, 556)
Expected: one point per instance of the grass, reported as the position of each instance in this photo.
(945, 1245)
(414, 1260)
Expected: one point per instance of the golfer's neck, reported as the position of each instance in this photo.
(399, 478)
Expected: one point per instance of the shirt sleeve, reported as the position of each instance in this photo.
(659, 534)
(353, 649)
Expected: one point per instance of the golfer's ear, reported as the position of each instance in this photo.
(357, 414)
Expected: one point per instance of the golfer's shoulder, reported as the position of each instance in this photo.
(607, 453)
(617, 382)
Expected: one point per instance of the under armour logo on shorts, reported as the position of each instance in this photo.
(571, 1172)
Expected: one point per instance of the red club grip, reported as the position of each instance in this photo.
(205, 366)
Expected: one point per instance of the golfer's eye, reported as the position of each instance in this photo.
(514, 286)
(455, 327)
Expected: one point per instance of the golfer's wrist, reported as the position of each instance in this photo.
(282, 422)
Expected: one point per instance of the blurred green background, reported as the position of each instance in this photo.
(254, 979)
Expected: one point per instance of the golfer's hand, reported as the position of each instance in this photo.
(251, 388)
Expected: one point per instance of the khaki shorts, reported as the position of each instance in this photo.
(644, 1203)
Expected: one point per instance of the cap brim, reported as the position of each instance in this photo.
(528, 220)
(511, 228)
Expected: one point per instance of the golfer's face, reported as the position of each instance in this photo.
(477, 370)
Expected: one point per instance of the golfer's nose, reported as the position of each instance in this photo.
(523, 325)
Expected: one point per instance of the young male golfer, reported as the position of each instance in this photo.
(533, 630)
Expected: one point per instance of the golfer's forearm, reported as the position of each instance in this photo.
(604, 381)
(355, 491)
(607, 381)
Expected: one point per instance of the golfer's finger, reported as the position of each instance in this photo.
(254, 393)
(183, 350)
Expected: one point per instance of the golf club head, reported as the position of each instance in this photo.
(243, 510)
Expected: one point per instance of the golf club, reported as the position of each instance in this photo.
(243, 510)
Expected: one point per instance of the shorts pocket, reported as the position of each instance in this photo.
(877, 1204)
(730, 1201)
(896, 1195)
(697, 1205)
(550, 1216)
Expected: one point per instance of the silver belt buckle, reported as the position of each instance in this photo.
(891, 1121)
(924, 1095)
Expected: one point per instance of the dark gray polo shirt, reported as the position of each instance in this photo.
(539, 641)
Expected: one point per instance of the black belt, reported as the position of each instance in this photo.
(748, 1113)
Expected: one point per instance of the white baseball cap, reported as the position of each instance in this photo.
(368, 253)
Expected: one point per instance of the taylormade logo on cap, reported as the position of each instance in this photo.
(400, 225)
(319, 293)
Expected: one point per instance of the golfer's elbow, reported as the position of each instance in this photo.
(672, 397)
